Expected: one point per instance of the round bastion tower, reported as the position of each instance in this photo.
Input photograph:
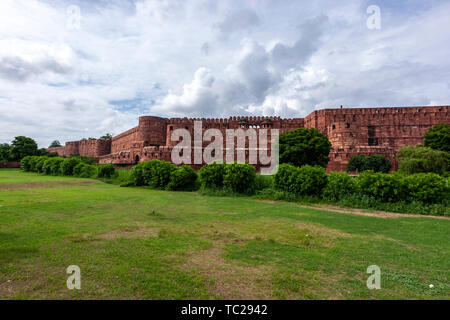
(152, 131)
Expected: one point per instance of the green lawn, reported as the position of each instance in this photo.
(137, 243)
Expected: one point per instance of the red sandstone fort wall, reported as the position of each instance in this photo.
(85, 148)
(351, 131)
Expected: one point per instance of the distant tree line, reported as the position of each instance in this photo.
(19, 148)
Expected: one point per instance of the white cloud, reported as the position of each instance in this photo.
(209, 58)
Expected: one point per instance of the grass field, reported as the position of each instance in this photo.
(137, 243)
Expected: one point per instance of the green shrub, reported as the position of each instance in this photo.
(382, 186)
(263, 182)
(339, 185)
(39, 166)
(239, 178)
(78, 169)
(211, 175)
(303, 181)
(360, 163)
(136, 175)
(283, 179)
(33, 162)
(304, 146)
(52, 166)
(311, 179)
(68, 165)
(148, 169)
(419, 159)
(25, 163)
(122, 177)
(428, 187)
(160, 173)
(88, 171)
(438, 137)
(106, 171)
(183, 178)
(85, 160)
(356, 163)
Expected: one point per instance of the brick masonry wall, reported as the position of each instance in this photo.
(85, 148)
(351, 131)
(10, 165)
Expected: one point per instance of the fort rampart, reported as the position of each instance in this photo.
(351, 131)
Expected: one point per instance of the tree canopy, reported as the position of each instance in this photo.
(438, 137)
(420, 159)
(304, 146)
(5, 150)
(54, 144)
(22, 147)
(106, 136)
(377, 163)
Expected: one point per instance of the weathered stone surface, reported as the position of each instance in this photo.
(351, 131)
(9, 164)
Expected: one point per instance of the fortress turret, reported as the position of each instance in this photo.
(152, 131)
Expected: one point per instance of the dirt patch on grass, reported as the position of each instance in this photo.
(230, 281)
(361, 212)
(129, 232)
(143, 231)
(285, 231)
(45, 184)
(401, 243)
(376, 214)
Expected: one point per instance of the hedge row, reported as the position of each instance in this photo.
(67, 167)
(389, 188)
(237, 178)
(164, 175)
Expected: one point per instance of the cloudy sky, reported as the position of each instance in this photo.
(82, 68)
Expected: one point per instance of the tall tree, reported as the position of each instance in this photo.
(106, 136)
(304, 146)
(438, 137)
(377, 163)
(54, 144)
(5, 150)
(418, 159)
(22, 147)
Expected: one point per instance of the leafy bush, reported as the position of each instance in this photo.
(311, 179)
(106, 171)
(283, 179)
(148, 169)
(304, 147)
(376, 163)
(263, 182)
(39, 166)
(339, 185)
(78, 169)
(136, 175)
(382, 186)
(183, 178)
(438, 137)
(68, 165)
(88, 171)
(356, 163)
(306, 180)
(33, 162)
(421, 159)
(239, 178)
(160, 173)
(25, 163)
(86, 160)
(211, 175)
(428, 187)
(52, 166)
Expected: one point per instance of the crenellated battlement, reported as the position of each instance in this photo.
(378, 130)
